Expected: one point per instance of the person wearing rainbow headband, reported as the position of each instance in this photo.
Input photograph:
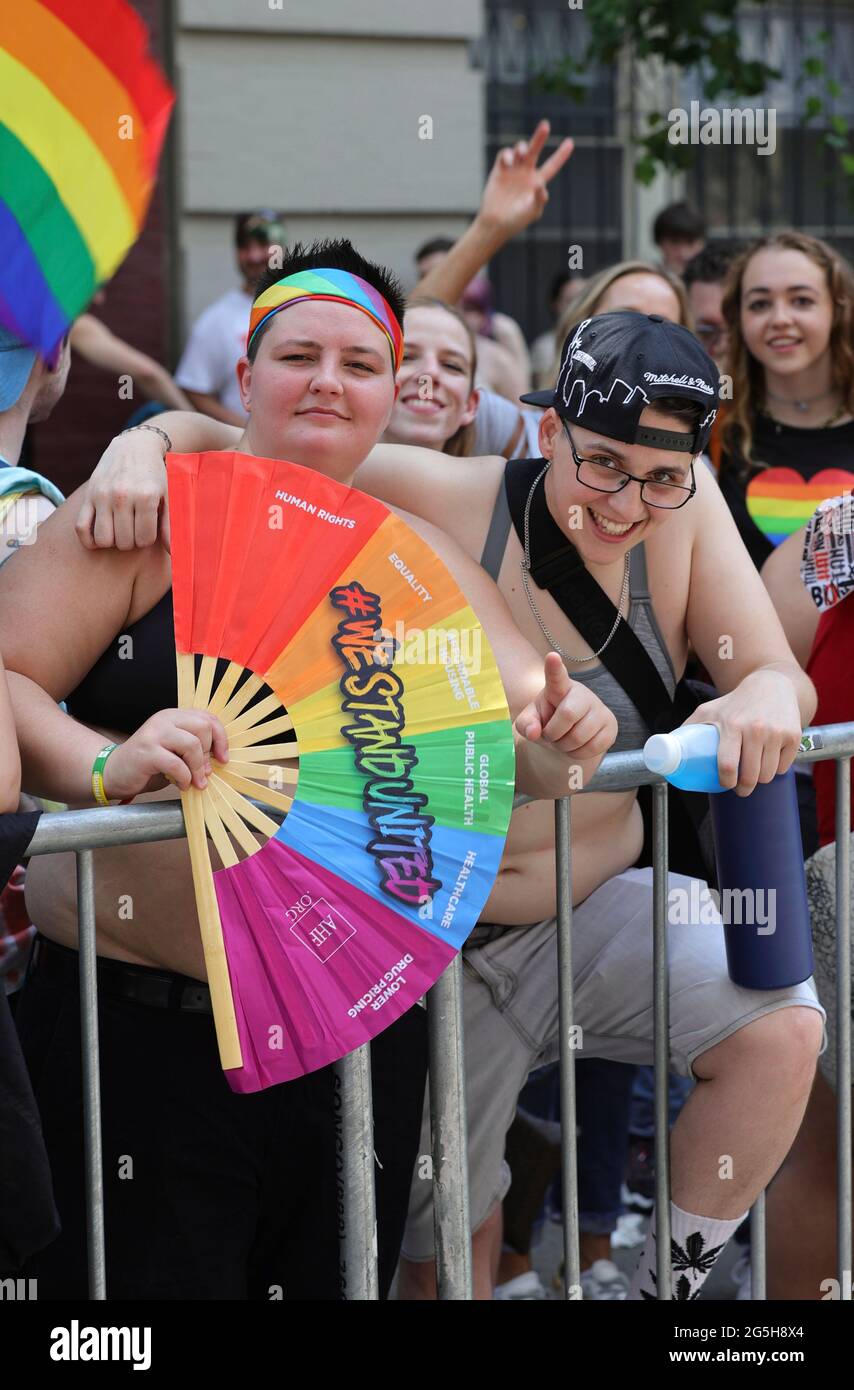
(233, 1196)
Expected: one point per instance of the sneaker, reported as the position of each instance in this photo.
(635, 1202)
(630, 1231)
(639, 1186)
(603, 1281)
(740, 1276)
(526, 1286)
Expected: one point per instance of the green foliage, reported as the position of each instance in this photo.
(694, 34)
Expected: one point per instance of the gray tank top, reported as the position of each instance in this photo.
(632, 730)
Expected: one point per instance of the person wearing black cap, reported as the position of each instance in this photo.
(616, 550)
(207, 371)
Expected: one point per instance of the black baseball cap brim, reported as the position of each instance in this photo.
(544, 399)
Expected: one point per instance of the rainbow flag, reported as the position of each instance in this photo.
(83, 113)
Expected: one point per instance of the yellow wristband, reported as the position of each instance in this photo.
(98, 775)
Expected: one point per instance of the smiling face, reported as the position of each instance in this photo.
(786, 310)
(611, 523)
(643, 292)
(435, 395)
(321, 388)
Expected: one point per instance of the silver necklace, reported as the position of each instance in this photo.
(525, 567)
(804, 404)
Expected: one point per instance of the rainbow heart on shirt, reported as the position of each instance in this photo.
(780, 501)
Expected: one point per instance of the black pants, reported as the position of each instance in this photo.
(208, 1194)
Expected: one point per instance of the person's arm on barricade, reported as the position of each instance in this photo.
(61, 588)
(766, 699)
(515, 195)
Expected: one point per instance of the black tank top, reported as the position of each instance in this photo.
(130, 681)
(134, 679)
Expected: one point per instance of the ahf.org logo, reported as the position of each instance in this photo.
(724, 125)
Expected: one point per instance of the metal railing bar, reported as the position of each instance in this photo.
(568, 1138)
(620, 772)
(449, 1129)
(84, 831)
(91, 1077)
(758, 1291)
(358, 1218)
(661, 1029)
(843, 1022)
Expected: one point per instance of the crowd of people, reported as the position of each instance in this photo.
(612, 500)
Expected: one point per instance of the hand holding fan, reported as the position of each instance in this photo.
(290, 594)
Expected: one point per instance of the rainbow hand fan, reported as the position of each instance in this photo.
(83, 113)
(318, 626)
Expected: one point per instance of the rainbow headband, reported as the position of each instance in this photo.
(337, 285)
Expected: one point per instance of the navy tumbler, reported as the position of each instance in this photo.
(761, 878)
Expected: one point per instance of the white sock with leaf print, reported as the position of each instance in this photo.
(695, 1244)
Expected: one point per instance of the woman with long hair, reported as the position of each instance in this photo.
(634, 284)
(788, 430)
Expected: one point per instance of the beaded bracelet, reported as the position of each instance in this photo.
(155, 430)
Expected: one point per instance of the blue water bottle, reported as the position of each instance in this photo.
(688, 757)
(760, 861)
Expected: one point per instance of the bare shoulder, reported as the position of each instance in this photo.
(465, 569)
(438, 539)
(61, 604)
(455, 494)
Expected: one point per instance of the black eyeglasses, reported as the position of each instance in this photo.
(603, 476)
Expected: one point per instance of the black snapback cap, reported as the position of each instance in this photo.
(614, 365)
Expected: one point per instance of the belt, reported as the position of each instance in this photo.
(141, 984)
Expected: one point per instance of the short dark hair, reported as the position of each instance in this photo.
(332, 255)
(688, 413)
(710, 266)
(430, 248)
(678, 222)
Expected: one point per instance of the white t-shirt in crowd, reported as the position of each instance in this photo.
(216, 344)
(496, 423)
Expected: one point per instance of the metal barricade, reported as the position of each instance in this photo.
(84, 831)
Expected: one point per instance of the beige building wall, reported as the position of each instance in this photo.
(352, 117)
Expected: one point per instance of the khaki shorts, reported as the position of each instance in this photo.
(510, 1008)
